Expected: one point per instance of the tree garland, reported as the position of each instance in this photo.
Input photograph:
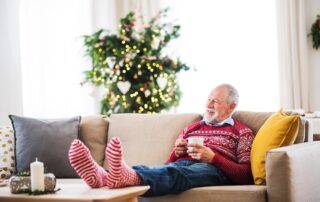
(315, 33)
(132, 65)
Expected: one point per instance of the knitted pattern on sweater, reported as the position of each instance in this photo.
(231, 144)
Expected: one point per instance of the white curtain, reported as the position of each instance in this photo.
(293, 63)
(106, 14)
(52, 57)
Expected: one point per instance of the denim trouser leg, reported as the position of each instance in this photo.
(179, 176)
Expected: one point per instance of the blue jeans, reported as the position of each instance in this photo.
(179, 176)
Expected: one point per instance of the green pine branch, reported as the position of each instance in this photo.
(135, 58)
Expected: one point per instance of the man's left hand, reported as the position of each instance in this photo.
(200, 152)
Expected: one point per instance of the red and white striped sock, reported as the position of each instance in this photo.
(81, 160)
(120, 174)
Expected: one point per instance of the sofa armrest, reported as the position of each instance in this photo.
(293, 173)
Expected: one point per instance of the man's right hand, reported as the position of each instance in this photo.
(180, 147)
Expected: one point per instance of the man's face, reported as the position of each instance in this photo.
(217, 108)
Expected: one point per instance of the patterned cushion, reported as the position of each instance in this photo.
(7, 165)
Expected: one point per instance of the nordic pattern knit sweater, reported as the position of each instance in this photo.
(231, 144)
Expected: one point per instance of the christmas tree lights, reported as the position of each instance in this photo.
(132, 65)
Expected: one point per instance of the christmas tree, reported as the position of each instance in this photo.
(132, 65)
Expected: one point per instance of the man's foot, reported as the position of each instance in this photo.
(120, 174)
(81, 160)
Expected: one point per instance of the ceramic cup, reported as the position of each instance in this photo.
(195, 140)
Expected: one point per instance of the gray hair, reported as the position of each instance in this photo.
(233, 95)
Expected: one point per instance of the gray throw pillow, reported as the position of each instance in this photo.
(46, 139)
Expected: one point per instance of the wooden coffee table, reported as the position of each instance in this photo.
(73, 190)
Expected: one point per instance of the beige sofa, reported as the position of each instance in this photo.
(293, 172)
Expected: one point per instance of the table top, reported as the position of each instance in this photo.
(76, 190)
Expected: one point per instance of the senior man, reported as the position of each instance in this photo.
(223, 159)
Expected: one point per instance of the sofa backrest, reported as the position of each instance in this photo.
(254, 120)
(148, 139)
(93, 132)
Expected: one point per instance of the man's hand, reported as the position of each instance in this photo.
(180, 147)
(200, 152)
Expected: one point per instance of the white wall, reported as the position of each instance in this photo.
(10, 71)
(313, 9)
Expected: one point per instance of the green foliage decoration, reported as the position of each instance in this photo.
(132, 66)
(315, 33)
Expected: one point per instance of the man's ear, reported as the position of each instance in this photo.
(233, 106)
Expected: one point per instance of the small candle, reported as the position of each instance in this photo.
(37, 176)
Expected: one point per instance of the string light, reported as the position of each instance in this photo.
(138, 100)
(129, 58)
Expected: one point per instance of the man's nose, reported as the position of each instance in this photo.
(209, 104)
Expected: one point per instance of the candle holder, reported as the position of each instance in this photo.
(22, 184)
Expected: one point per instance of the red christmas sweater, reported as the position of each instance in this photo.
(231, 144)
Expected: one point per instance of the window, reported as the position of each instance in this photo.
(232, 42)
(52, 57)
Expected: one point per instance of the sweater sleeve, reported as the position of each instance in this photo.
(239, 172)
(192, 126)
(172, 156)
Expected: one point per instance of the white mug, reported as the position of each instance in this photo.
(196, 140)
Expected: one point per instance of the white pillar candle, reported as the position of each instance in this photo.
(37, 176)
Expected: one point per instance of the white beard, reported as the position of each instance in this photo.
(210, 119)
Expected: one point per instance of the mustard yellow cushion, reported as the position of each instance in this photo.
(278, 130)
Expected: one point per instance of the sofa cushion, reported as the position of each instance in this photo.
(48, 140)
(247, 193)
(7, 166)
(148, 139)
(93, 132)
(279, 130)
